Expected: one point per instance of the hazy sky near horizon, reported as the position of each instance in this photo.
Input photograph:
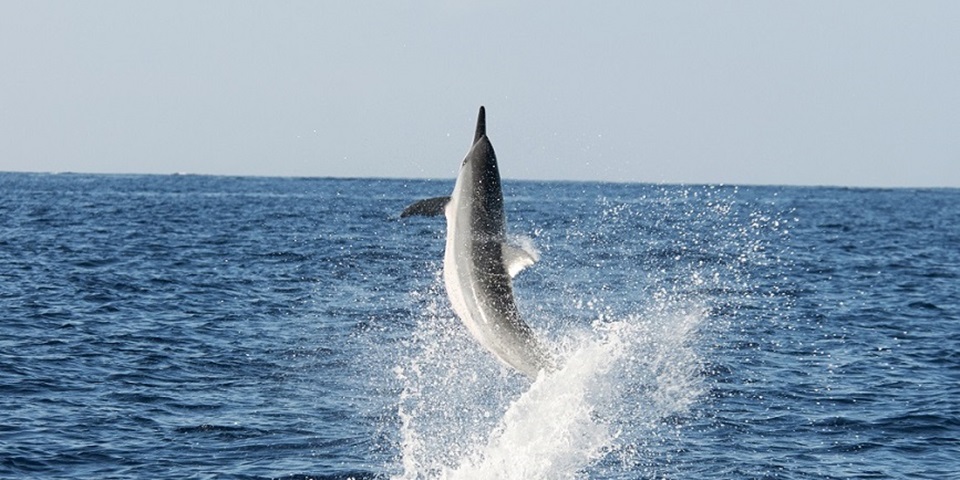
(856, 93)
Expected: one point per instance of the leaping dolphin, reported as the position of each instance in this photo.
(478, 263)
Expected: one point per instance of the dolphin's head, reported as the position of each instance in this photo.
(481, 162)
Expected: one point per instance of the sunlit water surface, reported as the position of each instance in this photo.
(217, 327)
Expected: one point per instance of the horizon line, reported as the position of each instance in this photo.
(505, 178)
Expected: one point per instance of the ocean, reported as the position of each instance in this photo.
(204, 327)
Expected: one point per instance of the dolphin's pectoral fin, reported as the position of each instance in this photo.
(430, 207)
(518, 256)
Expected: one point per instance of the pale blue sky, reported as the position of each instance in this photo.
(858, 93)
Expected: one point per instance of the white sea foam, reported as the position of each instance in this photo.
(466, 417)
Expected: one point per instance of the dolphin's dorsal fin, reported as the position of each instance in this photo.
(518, 254)
(430, 207)
(481, 125)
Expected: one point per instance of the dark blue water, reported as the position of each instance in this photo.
(217, 327)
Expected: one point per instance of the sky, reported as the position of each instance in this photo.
(850, 93)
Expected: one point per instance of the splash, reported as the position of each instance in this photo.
(466, 417)
(631, 359)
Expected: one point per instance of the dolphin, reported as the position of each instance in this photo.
(479, 263)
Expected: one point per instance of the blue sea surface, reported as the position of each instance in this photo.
(250, 328)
